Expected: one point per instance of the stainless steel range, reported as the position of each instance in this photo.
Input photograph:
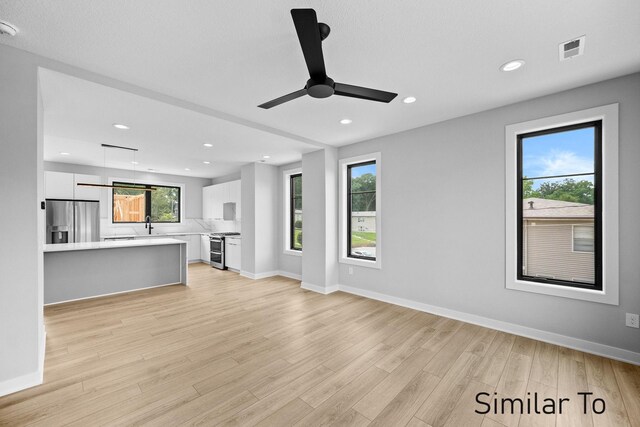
(216, 241)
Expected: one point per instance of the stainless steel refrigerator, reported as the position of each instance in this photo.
(71, 221)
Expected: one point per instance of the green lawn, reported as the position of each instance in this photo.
(361, 239)
(296, 233)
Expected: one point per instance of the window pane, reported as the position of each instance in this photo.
(297, 230)
(558, 212)
(296, 187)
(165, 204)
(583, 238)
(362, 219)
(128, 205)
(296, 214)
(561, 153)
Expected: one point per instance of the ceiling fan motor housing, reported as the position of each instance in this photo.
(320, 88)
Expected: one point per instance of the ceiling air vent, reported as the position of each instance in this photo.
(571, 48)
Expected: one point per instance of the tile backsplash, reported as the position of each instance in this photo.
(192, 225)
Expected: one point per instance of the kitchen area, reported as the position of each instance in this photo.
(100, 242)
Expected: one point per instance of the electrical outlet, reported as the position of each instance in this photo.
(350, 270)
(633, 320)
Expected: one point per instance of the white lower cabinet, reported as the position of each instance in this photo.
(193, 250)
(232, 253)
(205, 248)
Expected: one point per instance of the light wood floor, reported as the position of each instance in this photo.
(232, 351)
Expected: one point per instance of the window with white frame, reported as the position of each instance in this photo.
(292, 196)
(561, 198)
(583, 238)
(360, 210)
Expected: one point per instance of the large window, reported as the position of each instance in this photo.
(292, 209)
(295, 212)
(562, 205)
(559, 191)
(130, 205)
(359, 207)
(361, 210)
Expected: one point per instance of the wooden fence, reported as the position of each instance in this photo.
(128, 208)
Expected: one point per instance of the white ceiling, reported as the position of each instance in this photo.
(232, 56)
(79, 117)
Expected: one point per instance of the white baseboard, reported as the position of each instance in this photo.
(319, 289)
(258, 276)
(512, 328)
(29, 380)
(289, 275)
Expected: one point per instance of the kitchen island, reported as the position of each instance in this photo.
(75, 271)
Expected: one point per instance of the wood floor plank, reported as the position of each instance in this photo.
(436, 409)
(545, 391)
(513, 384)
(289, 414)
(406, 403)
(628, 379)
(323, 391)
(490, 368)
(229, 350)
(572, 379)
(377, 399)
(463, 414)
(544, 367)
(334, 408)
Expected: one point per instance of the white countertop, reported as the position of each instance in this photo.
(83, 246)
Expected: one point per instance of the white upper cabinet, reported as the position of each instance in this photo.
(220, 192)
(87, 193)
(215, 196)
(207, 202)
(234, 196)
(58, 185)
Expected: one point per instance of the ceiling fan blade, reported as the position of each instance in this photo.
(283, 99)
(306, 23)
(363, 93)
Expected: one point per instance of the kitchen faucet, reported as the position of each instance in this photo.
(147, 224)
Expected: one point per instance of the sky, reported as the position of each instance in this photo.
(361, 170)
(561, 153)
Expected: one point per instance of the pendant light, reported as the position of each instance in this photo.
(125, 186)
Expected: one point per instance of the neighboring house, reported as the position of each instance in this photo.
(558, 240)
(363, 221)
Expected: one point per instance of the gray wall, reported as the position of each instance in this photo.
(248, 223)
(259, 221)
(192, 190)
(443, 218)
(226, 178)
(21, 325)
(320, 226)
(287, 263)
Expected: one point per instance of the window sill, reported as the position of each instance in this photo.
(292, 252)
(361, 262)
(565, 292)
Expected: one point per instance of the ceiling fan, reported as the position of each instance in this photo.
(311, 34)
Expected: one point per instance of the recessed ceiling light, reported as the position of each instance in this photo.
(208, 145)
(266, 157)
(120, 126)
(206, 162)
(151, 170)
(512, 65)
(64, 153)
(345, 121)
(135, 163)
(8, 29)
(409, 100)
(187, 169)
